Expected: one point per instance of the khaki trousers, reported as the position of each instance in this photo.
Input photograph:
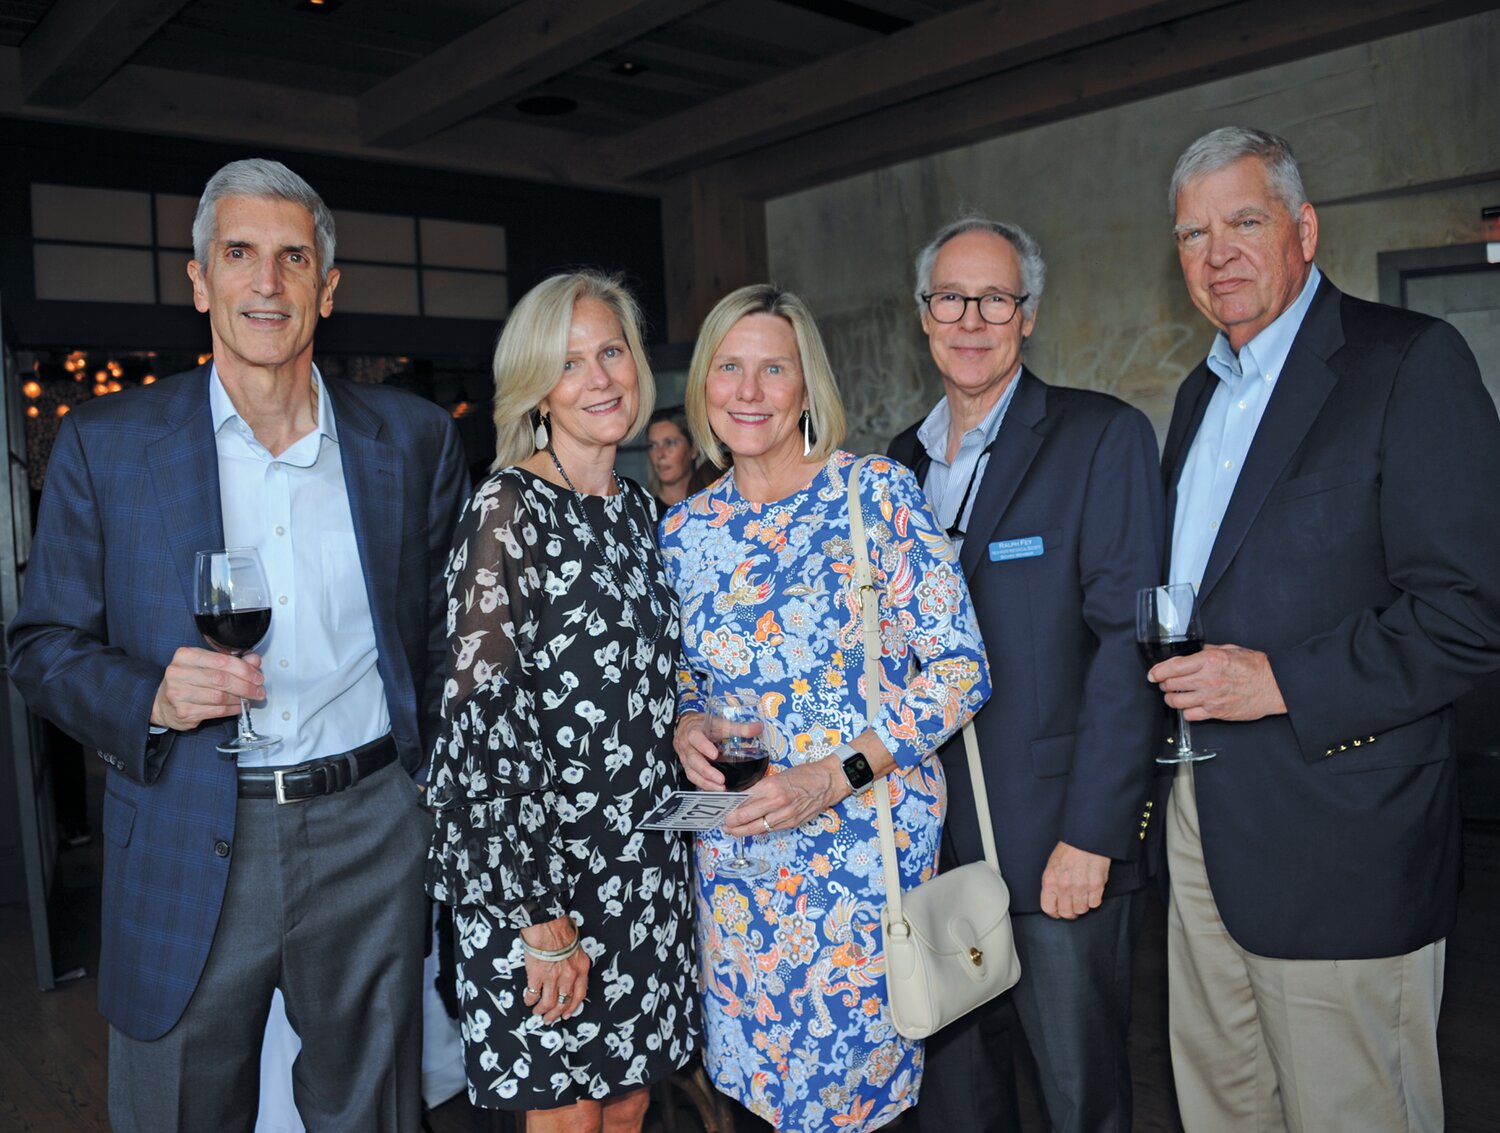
(1261, 1045)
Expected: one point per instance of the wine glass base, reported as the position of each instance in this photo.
(1196, 755)
(252, 742)
(742, 867)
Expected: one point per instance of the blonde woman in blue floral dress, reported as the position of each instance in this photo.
(795, 1019)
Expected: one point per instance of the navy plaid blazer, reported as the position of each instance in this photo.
(132, 493)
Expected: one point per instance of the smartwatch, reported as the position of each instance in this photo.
(856, 767)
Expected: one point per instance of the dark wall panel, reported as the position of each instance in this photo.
(547, 228)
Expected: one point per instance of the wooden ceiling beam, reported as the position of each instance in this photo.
(79, 44)
(938, 53)
(223, 109)
(1234, 39)
(523, 46)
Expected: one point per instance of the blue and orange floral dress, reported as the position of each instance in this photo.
(796, 1025)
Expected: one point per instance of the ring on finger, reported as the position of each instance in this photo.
(765, 820)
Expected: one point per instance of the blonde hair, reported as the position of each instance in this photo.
(534, 345)
(823, 402)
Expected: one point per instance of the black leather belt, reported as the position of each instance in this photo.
(316, 777)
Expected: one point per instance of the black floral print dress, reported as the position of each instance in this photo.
(557, 724)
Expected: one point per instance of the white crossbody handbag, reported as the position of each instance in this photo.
(948, 942)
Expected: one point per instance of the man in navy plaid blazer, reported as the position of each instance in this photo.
(224, 881)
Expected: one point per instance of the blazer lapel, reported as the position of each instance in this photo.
(184, 469)
(372, 479)
(1303, 386)
(1015, 448)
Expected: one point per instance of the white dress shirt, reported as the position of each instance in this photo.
(324, 694)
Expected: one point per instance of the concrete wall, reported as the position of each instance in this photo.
(1399, 143)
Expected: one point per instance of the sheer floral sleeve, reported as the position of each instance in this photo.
(496, 840)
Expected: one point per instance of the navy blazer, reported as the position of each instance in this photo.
(1360, 551)
(1069, 735)
(132, 493)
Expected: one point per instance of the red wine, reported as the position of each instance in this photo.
(234, 631)
(1155, 652)
(742, 763)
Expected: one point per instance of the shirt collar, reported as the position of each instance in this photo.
(933, 432)
(1267, 352)
(223, 410)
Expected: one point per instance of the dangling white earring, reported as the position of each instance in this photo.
(541, 431)
(806, 433)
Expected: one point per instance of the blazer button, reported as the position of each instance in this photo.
(221, 848)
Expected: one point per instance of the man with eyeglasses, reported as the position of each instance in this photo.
(1054, 497)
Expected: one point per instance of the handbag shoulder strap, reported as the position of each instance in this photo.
(868, 599)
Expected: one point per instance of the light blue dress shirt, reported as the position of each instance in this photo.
(324, 694)
(946, 484)
(1218, 452)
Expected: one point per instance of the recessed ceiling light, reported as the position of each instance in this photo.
(317, 5)
(547, 105)
(629, 67)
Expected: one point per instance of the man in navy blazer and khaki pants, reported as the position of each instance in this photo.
(1056, 497)
(1333, 472)
(223, 882)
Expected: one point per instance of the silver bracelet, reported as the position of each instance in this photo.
(558, 954)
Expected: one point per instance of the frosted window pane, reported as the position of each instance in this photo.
(172, 283)
(98, 275)
(174, 220)
(456, 244)
(374, 236)
(67, 212)
(367, 290)
(465, 295)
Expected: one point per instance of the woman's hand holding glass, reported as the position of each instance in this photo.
(555, 988)
(695, 751)
(789, 798)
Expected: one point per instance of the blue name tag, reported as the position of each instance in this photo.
(1007, 549)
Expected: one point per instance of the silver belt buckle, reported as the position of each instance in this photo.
(276, 776)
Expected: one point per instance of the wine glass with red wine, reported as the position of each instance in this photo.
(1167, 625)
(232, 608)
(737, 728)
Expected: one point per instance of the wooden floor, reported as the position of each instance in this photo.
(52, 1045)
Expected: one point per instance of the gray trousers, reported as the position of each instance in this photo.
(1074, 1004)
(324, 901)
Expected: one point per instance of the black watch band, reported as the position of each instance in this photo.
(857, 768)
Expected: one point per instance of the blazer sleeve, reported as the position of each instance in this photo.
(61, 654)
(1439, 513)
(450, 488)
(1119, 551)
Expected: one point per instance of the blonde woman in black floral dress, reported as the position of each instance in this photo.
(576, 972)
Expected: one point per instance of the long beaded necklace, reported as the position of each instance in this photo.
(642, 550)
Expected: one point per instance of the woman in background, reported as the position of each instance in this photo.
(576, 974)
(795, 1020)
(675, 469)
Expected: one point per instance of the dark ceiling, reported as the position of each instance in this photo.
(767, 95)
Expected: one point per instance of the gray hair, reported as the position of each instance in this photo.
(261, 177)
(1033, 267)
(1223, 147)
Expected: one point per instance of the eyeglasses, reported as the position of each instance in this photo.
(997, 308)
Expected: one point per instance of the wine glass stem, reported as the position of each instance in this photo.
(1184, 735)
(247, 732)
